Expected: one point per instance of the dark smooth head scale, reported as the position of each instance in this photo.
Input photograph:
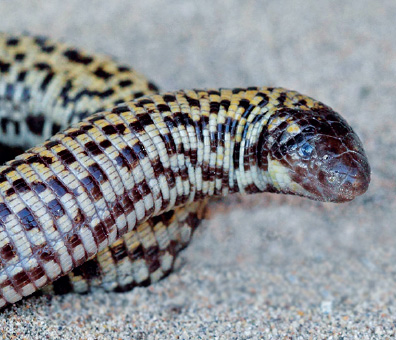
(315, 153)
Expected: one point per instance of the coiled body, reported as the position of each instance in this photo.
(128, 180)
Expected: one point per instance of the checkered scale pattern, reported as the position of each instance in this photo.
(142, 256)
(118, 188)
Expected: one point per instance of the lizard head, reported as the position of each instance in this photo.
(314, 153)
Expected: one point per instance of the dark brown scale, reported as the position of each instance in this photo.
(64, 92)
(136, 194)
(213, 92)
(145, 283)
(20, 185)
(35, 159)
(170, 177)
(90, 270)
(176, 246)
(138, 94)
(169, 98)
(5, 172)
(130, 156)
(55, 128)
(136, 127)
(62, 285)
(75, 134)
(152, 257)
(117, 209)
(12, 42)
(17, 128)
(202, 125)
(123, 68)
(36, 124)
(152, 87)
(109, 130)
(126, 288)
(40, 40)
(7, 252)
(143, 102)
(214, 107)
(37, 272)
(120, 109)
(225, 103)
(66, 157)
(47, 160)
(120, 128)
(119, 252)
(10, 192)
(105, 144)
(193, 102)
(145, 120)
(125, 83)
(42, 66)
(73, 241)
(163, 108)
(79, 218)
(6, 283)
(93, 148)
(143, 188)
(157, 167)
(237, 90)
(101, 73)
(5, 122)
(47, 49)
(21, 279)
(265, 97)
(137, 253)
(4, 67)
(75, 56)
(245, 104)
(46, 81)
(281, 99)
(100, 233)
(104, 94)
(21, 76)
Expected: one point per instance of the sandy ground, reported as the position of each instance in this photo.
(264, 266)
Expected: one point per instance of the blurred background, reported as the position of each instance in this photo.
(262, 266)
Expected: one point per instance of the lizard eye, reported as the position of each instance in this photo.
(306, 150)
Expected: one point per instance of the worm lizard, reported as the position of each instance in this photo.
(110, 177)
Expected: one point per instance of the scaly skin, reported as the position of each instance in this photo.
(99, 183)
